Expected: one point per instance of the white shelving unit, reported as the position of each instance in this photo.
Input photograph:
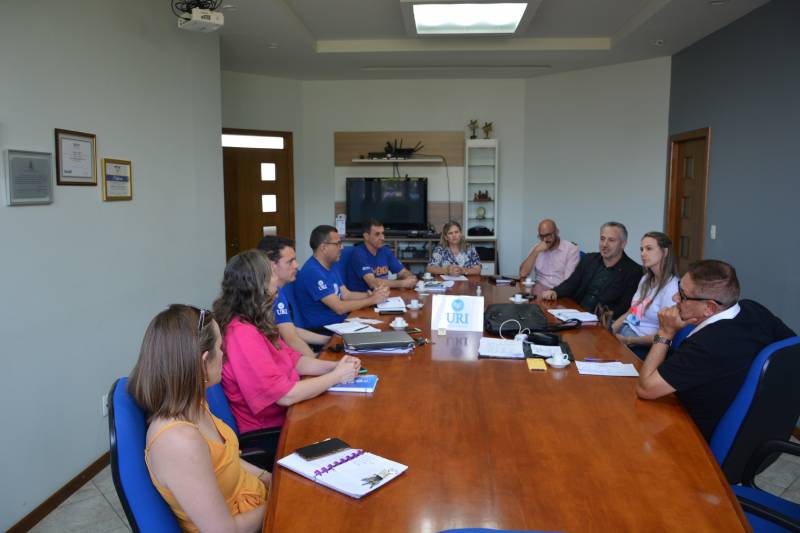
(481, 199)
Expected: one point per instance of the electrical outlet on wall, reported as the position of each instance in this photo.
(104, 402)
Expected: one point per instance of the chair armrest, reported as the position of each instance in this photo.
(754, 508)
(248, 440)
(766, 450)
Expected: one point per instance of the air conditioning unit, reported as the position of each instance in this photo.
(202, 20)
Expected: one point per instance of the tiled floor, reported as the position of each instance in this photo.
(95, 508)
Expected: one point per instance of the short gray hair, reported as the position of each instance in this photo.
(619, 225)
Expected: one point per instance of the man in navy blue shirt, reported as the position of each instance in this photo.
(371, 263)
(322, 297)
(707, 370)
(283, 262)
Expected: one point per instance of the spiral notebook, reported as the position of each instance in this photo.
(352, 472)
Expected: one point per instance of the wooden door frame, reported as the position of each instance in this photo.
(288, 144)
(672, 225)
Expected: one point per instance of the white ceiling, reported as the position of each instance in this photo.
(367, 39)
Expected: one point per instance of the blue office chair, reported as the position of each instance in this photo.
(248, 442)
(297, 316)
(766, 408)
(766, 512)
(340, 266)
(127, 429)
(681, 336)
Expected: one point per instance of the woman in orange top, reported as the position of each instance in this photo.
(192, 456)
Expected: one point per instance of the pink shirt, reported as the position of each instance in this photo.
(554, 266)
(255, 375)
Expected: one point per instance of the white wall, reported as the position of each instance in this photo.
(596, 144)
(81, 278)
(407, 105)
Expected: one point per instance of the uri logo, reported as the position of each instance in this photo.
(456, 317)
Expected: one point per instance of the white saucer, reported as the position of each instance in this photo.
(414, 307)
(550, 362)
(523, 301)
(529, 283)
(404, 326)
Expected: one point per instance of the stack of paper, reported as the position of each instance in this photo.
(569, 314)
(614, 368)
(360, 384)
(544, 351)
(454, 278)
(435, 286)
(350, 327)
(500, 348)
(395, 303)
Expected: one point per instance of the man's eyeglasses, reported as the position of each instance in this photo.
(545, 235)
(335, 243)
(696, 299)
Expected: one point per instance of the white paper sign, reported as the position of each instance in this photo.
(457, 313)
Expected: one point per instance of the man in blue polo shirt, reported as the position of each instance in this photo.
(371, 262)
(322, 298)
(283, 261)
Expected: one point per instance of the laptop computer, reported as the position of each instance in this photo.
(377, 339)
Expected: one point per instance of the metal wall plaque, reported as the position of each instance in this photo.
(29, 178)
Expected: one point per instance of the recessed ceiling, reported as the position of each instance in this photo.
(368, 39)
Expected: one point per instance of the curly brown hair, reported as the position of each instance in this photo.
(245, 294)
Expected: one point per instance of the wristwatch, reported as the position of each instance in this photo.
(658, 339)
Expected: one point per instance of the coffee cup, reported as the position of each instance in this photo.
(399, 323)
(528, 281)
(414, 303)
(427, 275)
(518, 297)
(559, 359)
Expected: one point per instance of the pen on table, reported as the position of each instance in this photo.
(598, 360)
(359, 329)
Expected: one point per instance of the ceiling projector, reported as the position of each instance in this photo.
(203, 20)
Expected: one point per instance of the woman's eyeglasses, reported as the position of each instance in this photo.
(201, 323)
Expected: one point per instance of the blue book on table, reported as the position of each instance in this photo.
(360, 384)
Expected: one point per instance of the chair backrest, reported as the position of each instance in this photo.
(127, 430)
(681, 336)
(765, 408)
(297, 316)
(219, 406)
(340, 266)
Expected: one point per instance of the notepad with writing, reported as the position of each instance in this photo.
(352, 472)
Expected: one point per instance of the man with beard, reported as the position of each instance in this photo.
(551, 261)
(603, 281)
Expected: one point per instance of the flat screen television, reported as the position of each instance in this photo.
(400, 203)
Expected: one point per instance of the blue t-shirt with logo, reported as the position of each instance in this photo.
(281, 309)
(315, 282)
(362, 262)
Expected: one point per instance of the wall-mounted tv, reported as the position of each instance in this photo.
(400, 203)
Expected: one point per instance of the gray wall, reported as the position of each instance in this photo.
(743, 82)
(81, 278)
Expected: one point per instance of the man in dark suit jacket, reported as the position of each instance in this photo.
(609, 278)
(708, 368)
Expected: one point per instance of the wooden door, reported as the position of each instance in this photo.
(688, 185)
(259, 192)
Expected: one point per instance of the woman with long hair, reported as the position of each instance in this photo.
(638, 326)
(192, 456)
(261, 374)
(453, 255)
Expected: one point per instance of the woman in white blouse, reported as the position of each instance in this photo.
(637, 327)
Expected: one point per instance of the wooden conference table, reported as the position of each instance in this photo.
(490, 444)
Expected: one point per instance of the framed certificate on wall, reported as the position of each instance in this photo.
(29, 178)
(75, 158)
(117, 180)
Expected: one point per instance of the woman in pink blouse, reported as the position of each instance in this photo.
(261, 373)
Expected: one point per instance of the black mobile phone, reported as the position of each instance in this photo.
(390, 312)
(321, 448)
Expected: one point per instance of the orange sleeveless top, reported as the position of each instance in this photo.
(242, 490)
